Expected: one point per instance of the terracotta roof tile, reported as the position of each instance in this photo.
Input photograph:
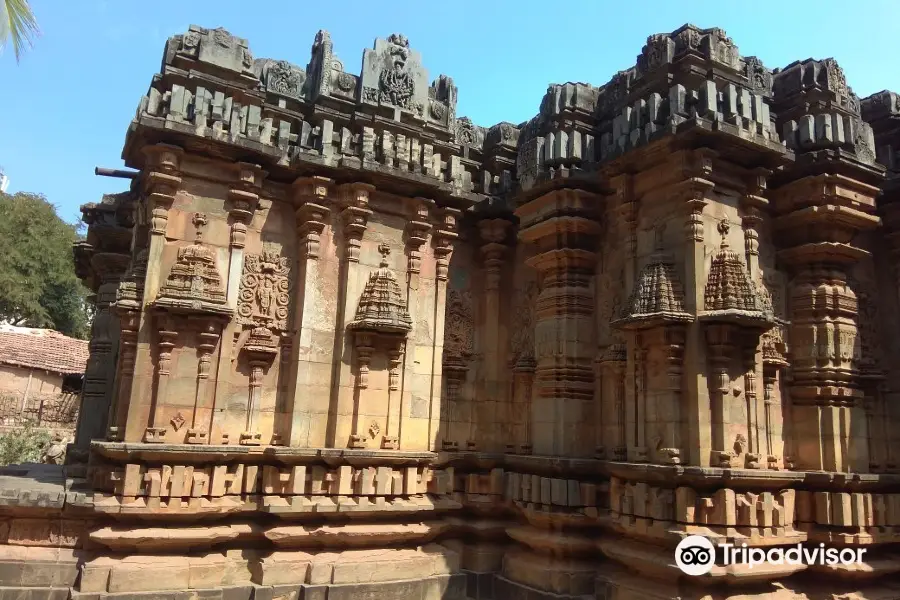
(42, 349)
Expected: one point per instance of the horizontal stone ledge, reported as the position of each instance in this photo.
(169, 538)
(195, 454)
(272, 156)
(284, 507)
(671, 475)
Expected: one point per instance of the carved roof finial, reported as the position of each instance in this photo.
(385, 251)
(200, 221)
(724, 227)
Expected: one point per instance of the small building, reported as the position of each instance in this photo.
(41, 373)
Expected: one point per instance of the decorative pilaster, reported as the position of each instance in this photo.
(613, 363)
(354, 198)
(311, 379)
(156, 431)
(243, 198)
(560, 224)
(493, 232)
(99, 378)
(207, 338)
(129, 321)
(826, 393)
(413, 381)
(445, 235)
(260, 349)
(694, 194)
(160, 182)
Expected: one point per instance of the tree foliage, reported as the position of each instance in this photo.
(38, 286)
(23, 445)
(18, 27)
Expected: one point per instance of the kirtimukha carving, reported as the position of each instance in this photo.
(665, 305)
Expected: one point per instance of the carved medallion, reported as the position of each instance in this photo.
(464, 132)
(264, 295)
(283, 78)
(345, 82)
(438, 110)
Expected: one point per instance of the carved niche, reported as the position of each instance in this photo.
(522, 340)
(381, 315)
(459, 339)
(194, 282)
(263, 303)
(265, 290)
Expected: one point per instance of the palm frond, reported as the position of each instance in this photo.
(17, 26)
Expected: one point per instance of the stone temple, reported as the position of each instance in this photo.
(349, 344)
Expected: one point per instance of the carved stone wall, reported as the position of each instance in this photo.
(382, 351)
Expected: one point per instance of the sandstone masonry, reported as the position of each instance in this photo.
(351, 345)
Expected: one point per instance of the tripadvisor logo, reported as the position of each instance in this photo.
(696, 555)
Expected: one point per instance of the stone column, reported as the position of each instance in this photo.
(444, 237)
(416, 386)
(168, 334)
(354, 198)
(826, 395)
(613, 364)
(207, 338)
(560, 225)
(129, 321)
(100, 372)
(160, 182)
(694, 193)
(721, 346)
(488, 412)
(312, 373)
(242, 200)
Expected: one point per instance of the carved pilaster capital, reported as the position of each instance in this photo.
(354, 197)
(444, 238)
(311, 199)
(160, 188)
(694, 192)
(417, 229)
(249, 176)
(165, 158)
(243, 198)
(495, 232)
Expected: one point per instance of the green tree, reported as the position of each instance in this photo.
(38, 286)
(18, 26)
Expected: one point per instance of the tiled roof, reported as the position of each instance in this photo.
(42, 349)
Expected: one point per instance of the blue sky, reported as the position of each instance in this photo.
(66, 106)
